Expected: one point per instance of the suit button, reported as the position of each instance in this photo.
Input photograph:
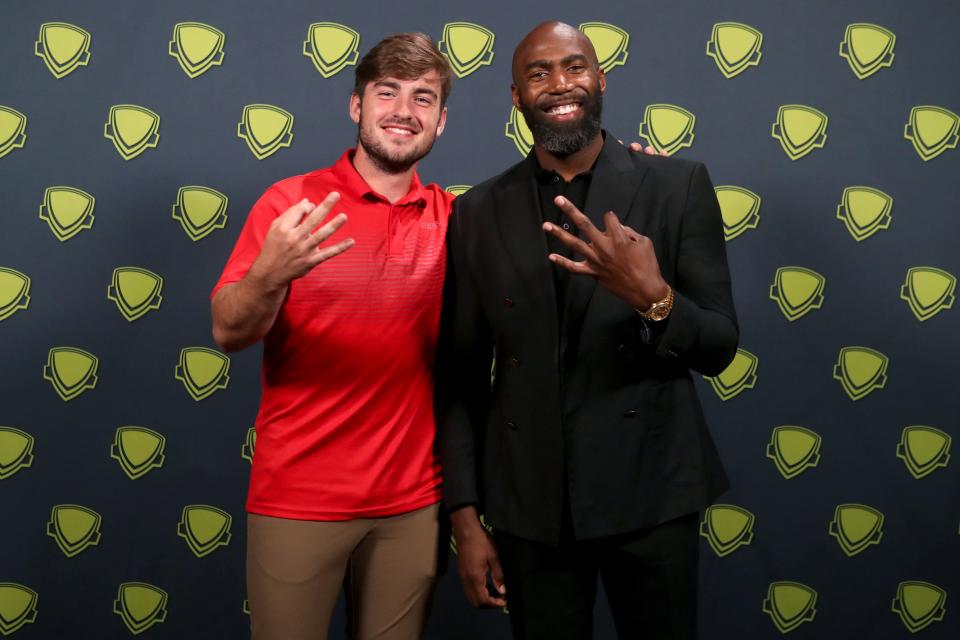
(629, 413)
(671, 353)
(622, 347)
(514, 362)
(512, 425)
(507, 302)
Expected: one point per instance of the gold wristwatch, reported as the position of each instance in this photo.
(659, 310)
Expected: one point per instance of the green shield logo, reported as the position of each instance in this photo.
(741, 374)
(518, 131)
(668, 128)
(790, 604)
(202, 371)
(63, 47)
(138, 450)
(205, 528)
(14, 292)
(797, 291)
(924, 450)
(331, 47)
(739, 208)
(71, 371)
(735, 47)
(864, 211)
(856, 527)
(609, 41)
(266, 129)
(800, 129)
(200, 210)
(928, 291)
(458, 189)
(919, 604)
(74, 528)
(249, 445)
(930, 128)
(867, 48)
(16, 451)
(197, 47)
(132, 129)
(18, 606)
(140, 606)
(67, 211)
(727, 527)
(466, 46)
(860, 370)
(793, 450)
(135, 291)
(13, 130)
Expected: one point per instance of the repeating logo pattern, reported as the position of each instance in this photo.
(69, 210)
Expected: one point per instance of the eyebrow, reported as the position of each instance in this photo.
(392, 84)
(546, 64)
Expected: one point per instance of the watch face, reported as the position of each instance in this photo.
(660, 312)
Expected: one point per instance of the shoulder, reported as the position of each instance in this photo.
(479, 193)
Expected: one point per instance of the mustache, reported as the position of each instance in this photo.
(578, 95)
(404, 122)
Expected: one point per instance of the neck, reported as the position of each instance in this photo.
(392, 186)
(574, 164)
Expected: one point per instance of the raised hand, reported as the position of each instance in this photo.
(621, 259)
(291, 247)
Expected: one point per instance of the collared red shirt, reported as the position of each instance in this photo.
(346, 427)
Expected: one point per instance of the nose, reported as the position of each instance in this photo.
(560, 83)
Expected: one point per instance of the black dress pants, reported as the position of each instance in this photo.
(650, 577)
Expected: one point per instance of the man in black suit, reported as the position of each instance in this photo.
(588, 450)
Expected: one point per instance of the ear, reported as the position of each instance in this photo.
(355, 108)
(443, 121)
(603, 81)
(515, 95)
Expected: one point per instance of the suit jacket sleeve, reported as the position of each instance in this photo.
(701, 332)
(463, 374)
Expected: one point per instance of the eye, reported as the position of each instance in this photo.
(424, 100)
(538, 75)
(577, 68)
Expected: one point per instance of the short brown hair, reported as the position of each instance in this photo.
(405, 56)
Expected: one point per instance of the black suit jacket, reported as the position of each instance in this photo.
(588, 402)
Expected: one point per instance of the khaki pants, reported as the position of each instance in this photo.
(295, 568)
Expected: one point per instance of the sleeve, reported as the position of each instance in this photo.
(264, 211)
(702, 331)
(463, 377)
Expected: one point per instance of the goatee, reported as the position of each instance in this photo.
(564, 139)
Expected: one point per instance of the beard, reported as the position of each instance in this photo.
(565, 138)
(387, 160)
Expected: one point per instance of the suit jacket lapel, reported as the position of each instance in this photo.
(520, 225)
(613, 187)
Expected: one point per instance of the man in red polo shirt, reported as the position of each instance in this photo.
(345, 484)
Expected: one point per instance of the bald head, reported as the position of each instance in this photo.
(550, 36)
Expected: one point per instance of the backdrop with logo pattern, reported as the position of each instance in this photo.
(134, 137)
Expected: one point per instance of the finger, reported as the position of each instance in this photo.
(614, 229)
(292, 216)
(651, 151)
(572, 242)
(636, 146)
(326, 253)
(664, 153)
(583, 222)
(320, 211)
(496, 573)
(574, 267)
(327, 230)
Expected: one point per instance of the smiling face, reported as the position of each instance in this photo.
(398, 120)
(558, 86)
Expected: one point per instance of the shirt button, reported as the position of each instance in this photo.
(556, 179)
(514, 362)
(512, 425)
(566, 226)
(629, 413)
(622, 347)
(507, 302)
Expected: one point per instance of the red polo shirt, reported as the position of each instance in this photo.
(345, 428)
